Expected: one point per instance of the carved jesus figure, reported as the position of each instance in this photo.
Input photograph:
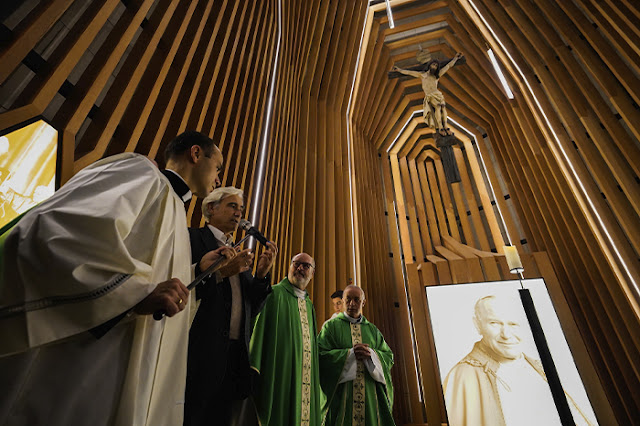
(434, 108)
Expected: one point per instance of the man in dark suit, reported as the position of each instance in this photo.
(218, 370)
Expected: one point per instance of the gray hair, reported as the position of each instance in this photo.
(477, 309)
(216, 196)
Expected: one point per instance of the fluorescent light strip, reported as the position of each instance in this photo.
(403, 127)
(263, 149)
(564, 154)
(349, 145)
(350, 149)
(484, 166)
(501, 76)
(390, 15)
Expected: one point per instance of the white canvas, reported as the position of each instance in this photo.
(452, 310)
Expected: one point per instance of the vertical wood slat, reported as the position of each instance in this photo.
(307, 197)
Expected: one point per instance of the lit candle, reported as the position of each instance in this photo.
(513, 259)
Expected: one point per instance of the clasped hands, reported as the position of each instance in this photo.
(361, 351)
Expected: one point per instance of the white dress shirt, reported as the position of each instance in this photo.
(236, 291)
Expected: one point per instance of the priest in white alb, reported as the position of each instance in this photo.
(82, 274)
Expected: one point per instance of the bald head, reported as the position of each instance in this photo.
(354, 289)
(301, 270)
(353, 299)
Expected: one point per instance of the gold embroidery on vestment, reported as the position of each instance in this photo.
(358, 383)
(305, 409)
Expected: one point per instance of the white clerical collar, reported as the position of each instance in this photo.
(185, 197)
(302, 294)
(220, 236)
(353, 320)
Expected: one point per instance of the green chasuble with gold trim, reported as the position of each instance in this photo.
(362, 400)
(284, 351)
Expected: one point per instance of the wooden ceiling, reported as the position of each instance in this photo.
(559, 162)
(352, 175)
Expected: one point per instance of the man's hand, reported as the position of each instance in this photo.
(214, 255)
(240, 263)
(395, 68)
(265, 261)
(361, 351)
(458, 55)
(168, 296)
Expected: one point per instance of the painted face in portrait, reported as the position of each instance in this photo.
(499, 321)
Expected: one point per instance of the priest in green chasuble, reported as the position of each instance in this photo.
(355, 367)
(284, 352)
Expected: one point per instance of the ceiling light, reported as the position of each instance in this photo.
(503, 80)
(389, 14)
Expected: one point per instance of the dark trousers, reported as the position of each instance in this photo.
(213, 407)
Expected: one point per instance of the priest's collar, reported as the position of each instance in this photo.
(218, 234)
(178, 184)
(302, 294)
(293, 290)
(353, 320)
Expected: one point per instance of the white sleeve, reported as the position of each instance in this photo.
(375, 367)
(350, 368)
(85, 255)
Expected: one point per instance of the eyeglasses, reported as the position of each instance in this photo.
(304, 265)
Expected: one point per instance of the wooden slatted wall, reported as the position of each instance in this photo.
(554, 169)
(355, 178)
(114, 77)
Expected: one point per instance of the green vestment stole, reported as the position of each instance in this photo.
(362, 401)
(284, 351)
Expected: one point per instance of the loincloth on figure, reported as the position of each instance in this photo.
(431, 101)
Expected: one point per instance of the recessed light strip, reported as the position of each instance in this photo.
(484, 166)
(390, 15)
(635, 289)
(350, 152)
(351, 187)
(413, 114)
(501, 76)
(263, 146)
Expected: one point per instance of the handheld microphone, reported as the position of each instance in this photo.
(251, 230)
(204, 276)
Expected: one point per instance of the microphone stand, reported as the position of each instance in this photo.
(204, 276)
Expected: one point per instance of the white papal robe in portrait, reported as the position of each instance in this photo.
(88, 254)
